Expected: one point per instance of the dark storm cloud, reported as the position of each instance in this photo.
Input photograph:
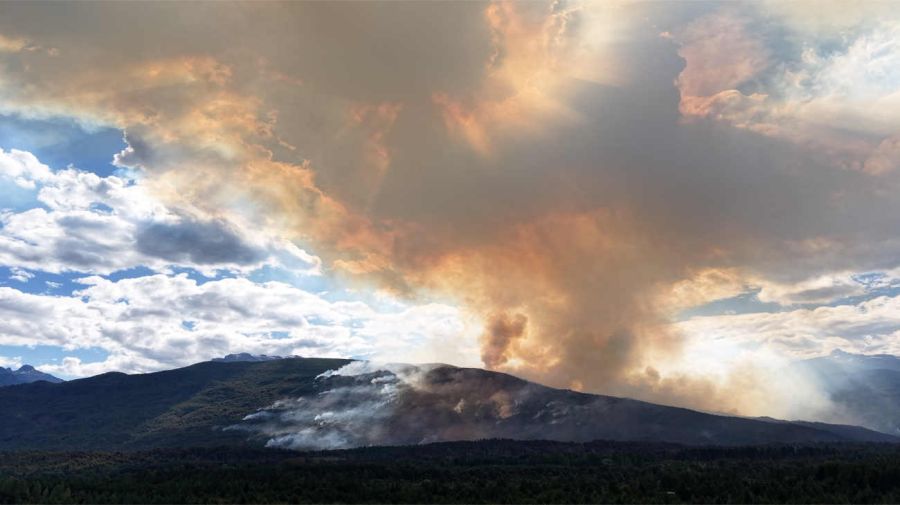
(200, 243)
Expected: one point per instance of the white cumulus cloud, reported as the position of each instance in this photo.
(82, 222)
(163, 321)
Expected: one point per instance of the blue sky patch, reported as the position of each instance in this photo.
(51, 354)
(38, 282)
(309, 283)
(59, 143)
(744, 303)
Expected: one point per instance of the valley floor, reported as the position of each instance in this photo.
(494, 471)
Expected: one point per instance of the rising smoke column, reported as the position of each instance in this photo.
(566, 172)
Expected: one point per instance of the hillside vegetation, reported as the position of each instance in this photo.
(495, 471)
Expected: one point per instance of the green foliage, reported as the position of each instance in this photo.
(496, 471)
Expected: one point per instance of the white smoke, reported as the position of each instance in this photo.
(353, 408)
(369, 404)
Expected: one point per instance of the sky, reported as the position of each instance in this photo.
(669, 201)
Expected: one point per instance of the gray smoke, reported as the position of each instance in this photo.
(365, 404)
(863, 389)
(352, 408)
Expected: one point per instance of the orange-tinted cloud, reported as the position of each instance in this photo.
(573, 216)
(839, 103)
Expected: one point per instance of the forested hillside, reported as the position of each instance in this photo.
(464, 472)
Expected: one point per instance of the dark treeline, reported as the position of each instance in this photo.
(494, 471)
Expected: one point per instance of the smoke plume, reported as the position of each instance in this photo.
(574, 175)
(363, 404)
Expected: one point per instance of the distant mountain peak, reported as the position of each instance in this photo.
(865, 388)
(842, 353)
(245, 356)
(24, 375)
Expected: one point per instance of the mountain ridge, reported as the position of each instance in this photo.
(863, 388)
(264, 403)
(245, 356)
(24, 375)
